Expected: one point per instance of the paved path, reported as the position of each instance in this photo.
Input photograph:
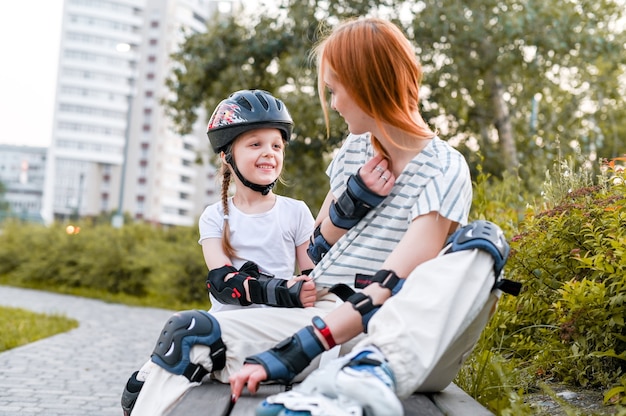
(80, 372)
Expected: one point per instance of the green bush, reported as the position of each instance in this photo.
(157, 266)
(571, 261)
(568, 323)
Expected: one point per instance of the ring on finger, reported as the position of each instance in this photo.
(384, 178)
(379, 169)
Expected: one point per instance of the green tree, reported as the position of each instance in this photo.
(266, 55)
(525, 80)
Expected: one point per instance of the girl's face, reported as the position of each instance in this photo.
(358, 121)
(259, 155)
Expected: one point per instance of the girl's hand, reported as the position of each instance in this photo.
(376, 175)
(250, 374)
(308, 292)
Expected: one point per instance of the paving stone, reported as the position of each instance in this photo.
(80, 372)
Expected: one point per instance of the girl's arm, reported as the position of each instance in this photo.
(303, 259)
(214, 255)
(308, 292)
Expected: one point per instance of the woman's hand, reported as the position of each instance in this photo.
(308, 292)
(250, 374)
(376, 175)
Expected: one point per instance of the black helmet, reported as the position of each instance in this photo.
(247, 110)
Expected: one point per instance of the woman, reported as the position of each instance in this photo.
(418, 338)
(397, 192)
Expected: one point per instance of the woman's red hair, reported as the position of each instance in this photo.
(377, 66)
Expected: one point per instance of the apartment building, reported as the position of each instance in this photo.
(112, 148)
(22, 171)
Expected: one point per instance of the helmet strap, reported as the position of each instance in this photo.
(263, 189)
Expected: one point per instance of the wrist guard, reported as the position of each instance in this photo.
(263, 288)
(231, 292)
(356, 201)
(289, 357)
(274, 292)
(361, 302)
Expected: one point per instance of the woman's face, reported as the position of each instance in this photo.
(259, 155)
(358, 121)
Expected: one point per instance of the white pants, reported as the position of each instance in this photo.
(428, 329)
(245, 332)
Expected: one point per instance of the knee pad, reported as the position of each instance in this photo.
(482, 235)
(486, 236)
(181, 332)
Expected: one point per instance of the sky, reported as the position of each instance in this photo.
(30, 34)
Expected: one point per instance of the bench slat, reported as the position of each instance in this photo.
(420, 405)
(247, 403)
(454, 401)
(213, 399)
(208, 399)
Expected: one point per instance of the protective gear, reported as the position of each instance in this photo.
(247, 110)
(263, 288)
(487, 236)
(318, 246)
(386, 278)
(231, 291)
(130, 393)
(243, 111)
(361, 302)
(356, 201)
(289, 357)
(361, 381)
(274, 292)
(181, 332)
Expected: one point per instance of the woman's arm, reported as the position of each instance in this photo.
(370, 173)
(423, 241)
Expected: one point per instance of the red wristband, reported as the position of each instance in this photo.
(321, 326)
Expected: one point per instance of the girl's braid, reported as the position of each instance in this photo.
(226, 246)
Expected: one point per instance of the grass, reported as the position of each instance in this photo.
(19, 326)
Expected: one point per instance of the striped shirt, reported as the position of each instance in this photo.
(436, 179)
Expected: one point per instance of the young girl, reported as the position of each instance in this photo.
(254, 233)
(249, 130)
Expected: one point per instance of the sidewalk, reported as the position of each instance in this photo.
(80, 372)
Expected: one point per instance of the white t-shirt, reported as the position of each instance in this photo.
(269, 239)
(437, 179)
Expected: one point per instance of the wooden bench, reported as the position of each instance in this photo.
(213, 399)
